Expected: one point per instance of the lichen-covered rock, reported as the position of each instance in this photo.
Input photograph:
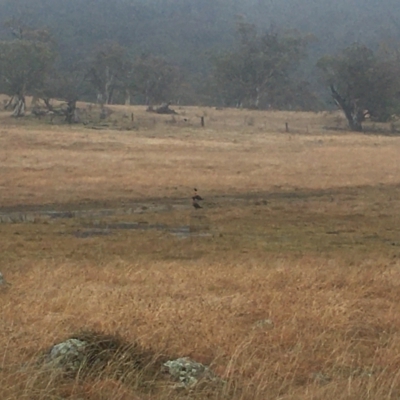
(68, 355)
(3, 282)
(188, 372)
(264, 324)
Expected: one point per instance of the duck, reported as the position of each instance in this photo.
(196, 196)
(195, 204)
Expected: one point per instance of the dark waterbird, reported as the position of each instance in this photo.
(196, 196)
(195, 204)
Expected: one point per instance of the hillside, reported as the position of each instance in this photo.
(188, 32)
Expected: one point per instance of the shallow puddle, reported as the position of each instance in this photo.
(182, 232)
(33, 216)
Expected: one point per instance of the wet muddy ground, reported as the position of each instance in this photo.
(298, 219)
(183, 232)
(93, 209)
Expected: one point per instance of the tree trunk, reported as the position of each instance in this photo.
(127, 97)
(110, 96)
(19, 107)
(100, 99)
(109, 86)
(256, 101)
(354, 115)
(47, 103)
(10, 103)
(70, 114)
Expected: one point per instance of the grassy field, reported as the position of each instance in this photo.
(286, 283)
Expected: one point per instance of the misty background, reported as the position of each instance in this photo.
(187, 34)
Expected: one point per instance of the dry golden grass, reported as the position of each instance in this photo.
(57, 164)
(304, 230)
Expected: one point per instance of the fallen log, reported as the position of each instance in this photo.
(163, 109)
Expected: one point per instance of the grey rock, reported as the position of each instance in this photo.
(69, 355)
(188, 372)
(264, 324)
(3, 282)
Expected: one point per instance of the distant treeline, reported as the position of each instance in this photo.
(254, 53)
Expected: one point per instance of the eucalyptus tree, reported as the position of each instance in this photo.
(108, 70)
(363, 83)
(154, 79)
(259, 67)
(25, 62)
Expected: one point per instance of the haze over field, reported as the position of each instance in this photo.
(187, 33)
